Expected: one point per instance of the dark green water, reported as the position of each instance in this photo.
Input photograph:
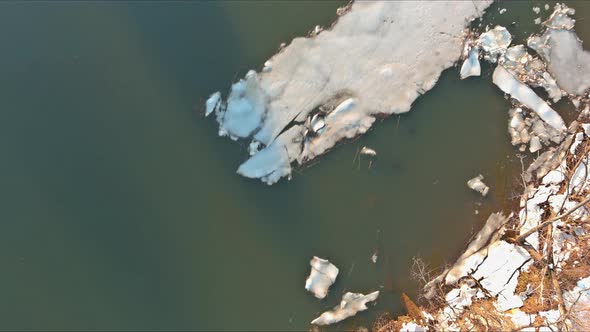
(120, 205)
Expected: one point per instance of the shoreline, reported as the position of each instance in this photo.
(529, 270)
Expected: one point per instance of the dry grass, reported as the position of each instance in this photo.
(575, 268)
(411, 308)
(484, 316)
(386, 323)
(542, 297)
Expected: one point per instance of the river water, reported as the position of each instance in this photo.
(121, 206)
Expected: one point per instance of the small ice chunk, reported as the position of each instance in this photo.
(413, 327)
(539, 44)
(368, 151)
(343, 107)
(508, 301)
(471, 65)
(323, 274)
(560, 19)
(212, 103)
(551, 87)
(521, 318)
(274, 161)
(267, 66)
(253, 147)
(519, 91)
(317, 123)
(502, 11)
(495, 42)
(546, 6)
(537, 10)
(351, 304)
(579, 138)
(538, 20)
(246, 106)
(535, 144)
(477, 184)
(374, 257)
(576, 102)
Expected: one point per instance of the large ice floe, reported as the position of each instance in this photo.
(561, 48)
(376, 60)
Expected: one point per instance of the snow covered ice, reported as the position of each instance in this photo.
(471, 65)
(351, 304)
(371, 62)
(323, 274)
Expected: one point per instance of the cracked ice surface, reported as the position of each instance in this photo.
(380, 55)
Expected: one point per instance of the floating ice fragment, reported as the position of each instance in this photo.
(374, 257)
(568, 62)
(538, 20)
(322, 276)
(351, 304)
(253, 147)
(317, 123)
(529, 70)
(272, 162)
(560, 19)
(537, 10)
(368, 151)
(535, 144)
(495, 42)
(502, 11)
(519, 91)
(413, 327)
(477, 184)
(212, 103)
(459, 298)
(471, 65)
(267, 66)
(245, 108)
